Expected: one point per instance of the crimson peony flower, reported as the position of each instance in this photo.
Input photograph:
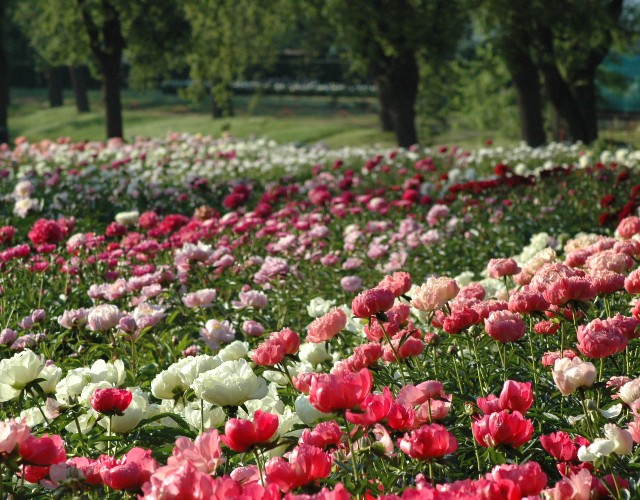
(371, 302)
(45, 231)
(329, 393)
(373, 409)
(111, 401)
(241, 434)
(323, 435)
(516, 396)
(428, 441)
(42, 451)
(502, 428)
(528, 476)
(561, 447)
(304, 465)
(131, 471)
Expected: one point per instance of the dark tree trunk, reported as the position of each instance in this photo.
(54, 86)
(79, 78)
(107, 45)
(112, 96)
(386, 123)
(558, 126)
(526, 81)
(4, 82)
(558, 91)
(398, 87)
(585, 92)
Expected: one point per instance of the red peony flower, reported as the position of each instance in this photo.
(111, 401)
(329, 393)
(45, 231)
(428, 441)
(502, 428)
(241, 434)
(372, 301)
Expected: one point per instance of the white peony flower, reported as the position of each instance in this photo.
(235, 350)
(318, 307)
(214, 416)
(18, 371)
(314, 353)
(127, 218)
(231, 383)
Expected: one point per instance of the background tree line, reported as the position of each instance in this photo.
(427, 58)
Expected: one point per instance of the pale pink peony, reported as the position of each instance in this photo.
(434, 294)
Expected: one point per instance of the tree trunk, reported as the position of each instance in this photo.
(386, 123)
(54, 86)
(398, 87)
(78, 76)
(107, 45)
(526, 81)
(113, 106)
(558, 91)
(4, 82)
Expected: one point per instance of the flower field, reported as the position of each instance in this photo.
(201, 318)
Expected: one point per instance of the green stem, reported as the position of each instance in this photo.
(395, 352)
(354, 464)
(256, 454)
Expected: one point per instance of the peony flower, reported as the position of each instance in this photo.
(600, 339)
(427, 442)
(201, 298)
(241, 434)
(434, 294)
(103, 317)
(505, 326)
(304, 465)
(326, 327)
(230, 384)
(18, 371)
(351, 284)
(516, 396)
(216, 332)
(42, 451)
(328, 393)
(371, 302)
(111, 401)
(569, 374)
(12, 433)
(497, 268)
(398, 283)
(529, 477)
(204, 453)
(502, 428)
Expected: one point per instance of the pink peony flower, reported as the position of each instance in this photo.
(505, 326)
(328, 326)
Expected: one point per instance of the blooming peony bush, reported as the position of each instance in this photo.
(200, 318)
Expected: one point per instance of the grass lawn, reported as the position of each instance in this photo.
(309, 120)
